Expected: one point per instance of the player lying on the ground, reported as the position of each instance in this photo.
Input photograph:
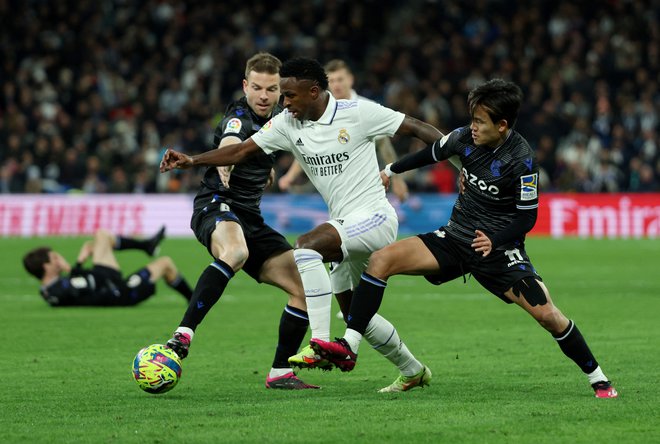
(102, 284)
(485, 235)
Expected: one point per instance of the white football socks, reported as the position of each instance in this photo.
(353, 338)
(383, 337)
(318, 292)
(276, 372)
(596, 376)
(187, 331)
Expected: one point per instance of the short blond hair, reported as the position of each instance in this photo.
(263, 62)
(336, 65)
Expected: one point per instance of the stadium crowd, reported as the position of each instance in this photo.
(92, 91)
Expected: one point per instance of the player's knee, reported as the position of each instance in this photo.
(102, 235)
(167, 262)
(304, 241)
(380, 264)
(235, 257)
(551, 319)
(297, 298)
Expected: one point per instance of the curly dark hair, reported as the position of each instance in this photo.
(500, 98)
(35, 259)
(307, 69)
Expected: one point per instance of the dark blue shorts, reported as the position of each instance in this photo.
(496, 272)
(114, 290)
(263, 242)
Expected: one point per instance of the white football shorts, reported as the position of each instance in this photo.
(362, 233)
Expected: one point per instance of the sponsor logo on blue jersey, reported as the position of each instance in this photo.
(529, 186)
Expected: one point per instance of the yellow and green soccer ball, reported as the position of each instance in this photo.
(156, 369)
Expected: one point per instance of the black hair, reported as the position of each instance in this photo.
(305, 69)
(35, 259)
(500, 98)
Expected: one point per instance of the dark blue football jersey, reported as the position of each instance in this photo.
(248, 179)
(82, 287)
(499, 182)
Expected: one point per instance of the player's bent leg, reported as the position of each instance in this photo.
(384, 338)
(281, 271)
(164, 267)
(103, 249)
(323, 239)
(322, 244)
(228, 244)
(533, 296)
(149, 245)
(408, 256)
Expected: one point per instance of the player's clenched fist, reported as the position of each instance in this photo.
(173, 159)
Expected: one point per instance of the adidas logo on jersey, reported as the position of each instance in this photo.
(299, 142)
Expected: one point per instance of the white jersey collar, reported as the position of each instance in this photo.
(330, 111)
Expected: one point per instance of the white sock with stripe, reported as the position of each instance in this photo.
(318, 292)
(384, 338)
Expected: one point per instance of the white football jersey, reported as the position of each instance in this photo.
(337, 152)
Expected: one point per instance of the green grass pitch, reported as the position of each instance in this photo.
(498, 377)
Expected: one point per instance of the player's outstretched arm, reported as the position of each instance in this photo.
(85, 252)
(422, 130)
(225, 171)
(228, 155)
(173, 159)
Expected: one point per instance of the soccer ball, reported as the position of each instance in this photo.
(156, 369)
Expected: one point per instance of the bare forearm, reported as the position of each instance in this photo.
(85, 252)
(416, 128)
(228, 155)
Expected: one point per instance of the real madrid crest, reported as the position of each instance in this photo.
(343, 137)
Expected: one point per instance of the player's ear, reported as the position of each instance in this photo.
(502, 126)
(245, 86)
(314, 91)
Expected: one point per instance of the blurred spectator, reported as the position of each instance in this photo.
(93, 91)
(93, 182)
